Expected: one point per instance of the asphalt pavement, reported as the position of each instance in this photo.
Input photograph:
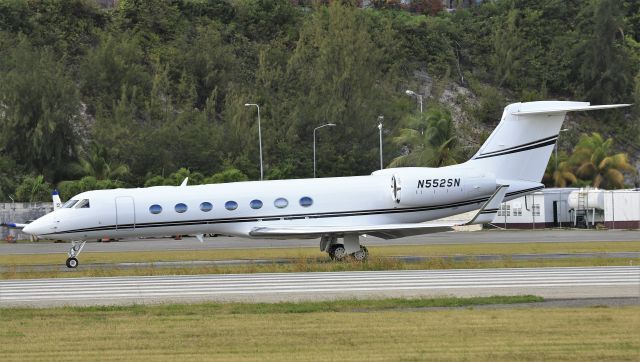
(554, 283)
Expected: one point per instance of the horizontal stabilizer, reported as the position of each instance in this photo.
(13, 225)
(569, 109)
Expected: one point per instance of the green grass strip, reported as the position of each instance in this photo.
(346, 305)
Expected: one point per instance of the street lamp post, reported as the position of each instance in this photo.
(259, 137)
(418, 96)
(556, 171)
(380, 119)
(314, 144)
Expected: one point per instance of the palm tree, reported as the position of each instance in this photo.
(594, 161)
(96, 163)
(429, 140)
(559, 176)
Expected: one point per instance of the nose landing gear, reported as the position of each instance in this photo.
(76, 248)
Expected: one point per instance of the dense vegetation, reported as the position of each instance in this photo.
(151, 91)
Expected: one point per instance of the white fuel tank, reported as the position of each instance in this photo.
(586, 199)
(438, 186)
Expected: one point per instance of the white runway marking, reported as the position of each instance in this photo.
(558, 282)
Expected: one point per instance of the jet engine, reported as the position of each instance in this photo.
(432, 186)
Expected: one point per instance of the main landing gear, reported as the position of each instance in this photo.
(76, 248)
(351, 248)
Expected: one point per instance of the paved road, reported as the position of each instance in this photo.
(491, 236)
(591, 282)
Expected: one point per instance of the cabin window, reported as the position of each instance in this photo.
(255, 204)
(84, 204)
(155, 209)
(69, 204)
(281, 203)
(180, 208)
(306, 201)
(231, 205)
(206, 206)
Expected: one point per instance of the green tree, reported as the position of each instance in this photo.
(430, 140)
(595, 161)
(96, 162)
(33, 189)
(228, 175)
(39, 108)
(71, 188)
(604, 61)
(337, 75)
(560, 176)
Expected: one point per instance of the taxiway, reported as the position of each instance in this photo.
(224, 242)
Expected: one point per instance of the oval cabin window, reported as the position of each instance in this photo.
(281, 203)
(231, 205)
(180, 208)
(255, 204)
(155, 209)
(306, 201)
(206, 206)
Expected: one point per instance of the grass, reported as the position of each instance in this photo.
(310, 259)
(89, 257)
(339, 330)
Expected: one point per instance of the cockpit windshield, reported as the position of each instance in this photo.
(84, 204)
(69, 204)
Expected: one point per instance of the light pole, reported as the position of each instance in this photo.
(419, 96)
(314, 144)
(553, 178)
(380, 119)
(259, 137)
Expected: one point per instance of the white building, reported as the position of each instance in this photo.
(572, 207)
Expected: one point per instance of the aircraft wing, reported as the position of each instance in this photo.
(486, 214)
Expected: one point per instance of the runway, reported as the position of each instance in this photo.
(579, 282)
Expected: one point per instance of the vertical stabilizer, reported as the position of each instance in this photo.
(520, 147)
(57, 203)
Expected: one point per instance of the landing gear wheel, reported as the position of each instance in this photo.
(72, 263)
(362, 254)
(337, 252)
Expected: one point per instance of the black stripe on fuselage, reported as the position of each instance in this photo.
(523, 147)
(289, 217)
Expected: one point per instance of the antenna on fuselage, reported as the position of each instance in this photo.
(184, 183)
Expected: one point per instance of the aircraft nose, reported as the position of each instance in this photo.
(37, 227)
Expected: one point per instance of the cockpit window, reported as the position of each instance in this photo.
(84, 204)
(69, 204)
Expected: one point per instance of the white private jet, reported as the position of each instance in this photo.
(390, 203)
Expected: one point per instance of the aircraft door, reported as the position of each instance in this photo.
(125, 213)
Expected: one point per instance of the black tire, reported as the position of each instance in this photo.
(361, 255)
(338, 252)
(72, 263)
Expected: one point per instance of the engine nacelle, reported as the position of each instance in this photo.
(438, 186)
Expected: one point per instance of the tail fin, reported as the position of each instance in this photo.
(57, 203)
(520, 147)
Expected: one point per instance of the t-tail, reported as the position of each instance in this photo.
(57, 203)
(520, 147)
